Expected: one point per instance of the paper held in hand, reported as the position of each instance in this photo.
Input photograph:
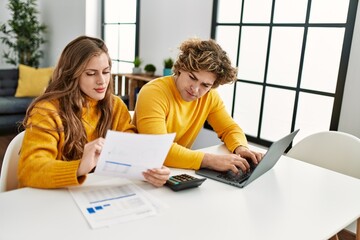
(128, 154)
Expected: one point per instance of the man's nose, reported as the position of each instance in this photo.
(195, 87)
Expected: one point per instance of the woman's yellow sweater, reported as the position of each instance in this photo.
(160, 109)
(40, 163)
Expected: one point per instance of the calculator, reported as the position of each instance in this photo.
(183, 181)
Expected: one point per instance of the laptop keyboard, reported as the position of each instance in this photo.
(234, 177)
(237, 177)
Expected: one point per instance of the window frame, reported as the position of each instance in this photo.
(344, 59)
(137, 29)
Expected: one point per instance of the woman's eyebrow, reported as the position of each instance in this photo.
(91, 69)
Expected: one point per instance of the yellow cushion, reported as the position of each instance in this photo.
(32, 81)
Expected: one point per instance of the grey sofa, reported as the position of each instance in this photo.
(12, 109)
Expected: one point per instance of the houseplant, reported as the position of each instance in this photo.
(168, 64)
(23, 34)
(150, 69)
(137, 63)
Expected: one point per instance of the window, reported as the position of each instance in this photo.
(292, 60)
(120, 31)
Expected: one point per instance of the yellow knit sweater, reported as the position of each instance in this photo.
(160, 109)
(40, 163)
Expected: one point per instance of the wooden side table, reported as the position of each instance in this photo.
(132, 82)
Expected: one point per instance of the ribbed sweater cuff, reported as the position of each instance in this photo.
(66, 174)
(199, 157)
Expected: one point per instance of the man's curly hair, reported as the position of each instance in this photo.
(205, 55)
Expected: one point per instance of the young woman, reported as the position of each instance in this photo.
(183, 102)
(66, 126)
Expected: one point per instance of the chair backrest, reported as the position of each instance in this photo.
(8, 177)
(334, 150)
(131, 114)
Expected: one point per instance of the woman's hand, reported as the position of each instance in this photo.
(157, 176)
(90, 156)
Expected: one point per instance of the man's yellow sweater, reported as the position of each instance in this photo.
(40, 163)
(160, 109)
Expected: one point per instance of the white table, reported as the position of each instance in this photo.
(294, 200)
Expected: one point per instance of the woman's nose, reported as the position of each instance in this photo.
(100, 80)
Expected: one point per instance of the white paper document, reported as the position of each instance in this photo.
(128, 155)
(106, 204)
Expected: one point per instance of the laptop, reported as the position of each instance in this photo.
(241, 180)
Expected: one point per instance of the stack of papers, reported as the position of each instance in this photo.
(113, 201)
(127, 156)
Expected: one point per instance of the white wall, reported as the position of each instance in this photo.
(93, 18)
(164, 24)
(350, 111)
(4, 16)
(65, 19)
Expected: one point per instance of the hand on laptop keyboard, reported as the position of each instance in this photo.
(224, 162)
(249, 154)
(240, 175)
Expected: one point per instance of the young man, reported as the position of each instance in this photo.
(183, 102)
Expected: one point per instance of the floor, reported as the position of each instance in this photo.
(4, 142)
(346, 235)
(6, 139)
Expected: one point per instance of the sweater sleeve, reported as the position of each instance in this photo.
(40, 163)
(224, 125)
(151, 117)
(182, 157)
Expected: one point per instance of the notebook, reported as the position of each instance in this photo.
(241, 180)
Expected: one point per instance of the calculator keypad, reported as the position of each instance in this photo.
(184, 181)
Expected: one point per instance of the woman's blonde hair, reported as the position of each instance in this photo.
(205, 55)
(64, 88)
